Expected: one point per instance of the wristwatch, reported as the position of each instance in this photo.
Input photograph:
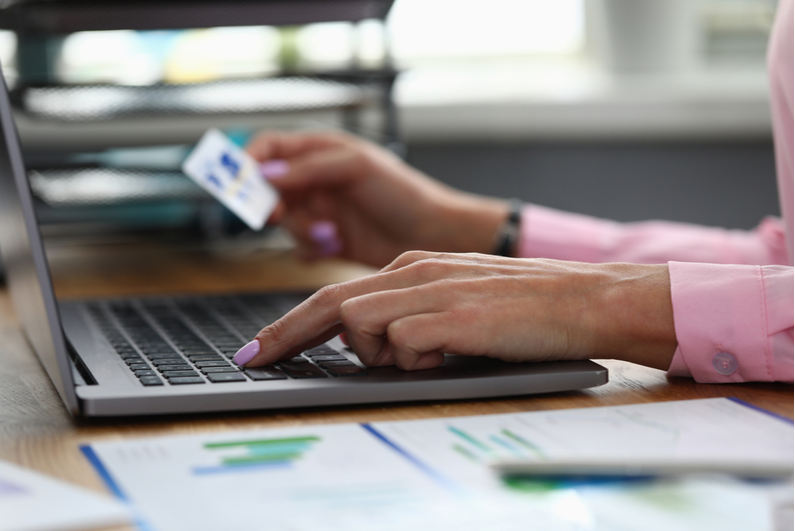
(508, 234)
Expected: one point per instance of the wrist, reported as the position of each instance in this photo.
(476, 223)
(632, 318)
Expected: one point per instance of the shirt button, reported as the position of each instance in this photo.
(724, 363)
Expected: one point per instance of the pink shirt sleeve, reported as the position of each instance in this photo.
(552, 233)
(733, 322)
(732, 291)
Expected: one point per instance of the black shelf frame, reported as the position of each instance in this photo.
(54, 17)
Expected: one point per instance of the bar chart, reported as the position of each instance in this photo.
(256, 454)
(494, 445)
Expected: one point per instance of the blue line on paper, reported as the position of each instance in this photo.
(433, 474)
(114, 487)
(761, 410)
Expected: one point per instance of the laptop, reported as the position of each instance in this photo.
(170, 355)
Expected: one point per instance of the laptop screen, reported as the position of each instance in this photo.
(27, 274)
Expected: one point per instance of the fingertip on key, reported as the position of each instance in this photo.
(247, 352)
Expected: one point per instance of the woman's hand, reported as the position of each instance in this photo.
(426, 304)
(347, 197)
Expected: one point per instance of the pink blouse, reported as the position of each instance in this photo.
(732, 291)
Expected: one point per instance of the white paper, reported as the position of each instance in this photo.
(232, 176)
(30, 501)
(434, 475)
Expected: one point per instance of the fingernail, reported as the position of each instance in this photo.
(246, 353)
(324, 234)
(274, 169)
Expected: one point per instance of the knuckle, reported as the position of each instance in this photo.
(432, 266)
(415, 256)
(411, 258)
(274, 333)
(399, 335)
(349, 313)
(326, 296)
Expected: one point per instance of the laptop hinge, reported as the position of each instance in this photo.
(80, 372)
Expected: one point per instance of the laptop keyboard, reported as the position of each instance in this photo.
(192, 341)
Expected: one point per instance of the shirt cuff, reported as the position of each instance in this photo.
(733, 322)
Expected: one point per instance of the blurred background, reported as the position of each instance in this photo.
(627, 109)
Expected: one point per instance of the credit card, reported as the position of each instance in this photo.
(232, 176)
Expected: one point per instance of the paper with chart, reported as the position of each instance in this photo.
(433, 474)
(232, 176)
(24, 494)
(717, 429)
(338, 477)
(462, 448)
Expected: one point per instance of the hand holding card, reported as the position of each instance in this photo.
(232, 176)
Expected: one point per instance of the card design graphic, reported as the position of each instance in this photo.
(232, 176)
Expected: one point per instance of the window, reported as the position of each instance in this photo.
(427, 30)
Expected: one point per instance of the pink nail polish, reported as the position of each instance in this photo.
(324, 234)
(246, 353)
(274, 169)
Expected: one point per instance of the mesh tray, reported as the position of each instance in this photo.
(103, 102)
(99, 186)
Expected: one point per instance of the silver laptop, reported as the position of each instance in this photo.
(159, 355)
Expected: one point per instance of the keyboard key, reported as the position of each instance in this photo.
(164, 355)
(186, 380)
(199, 352)
(320, 351)
(182, 367)
(218, 377)
(329, 357)
(139, 367)
(336, 363)
(203, 364)
(208, 370)
(265, 373)
(297, 359)
(145, 372)
(151, 380)
(302, 370)
(229, 344)
(158, 349)
(169, 361)
(178, 374)
(214, 357)
(347, 370)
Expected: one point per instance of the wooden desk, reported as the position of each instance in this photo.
(37, 432)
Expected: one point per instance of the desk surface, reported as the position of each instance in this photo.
(37, 432)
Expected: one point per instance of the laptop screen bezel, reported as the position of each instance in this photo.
(25, 262)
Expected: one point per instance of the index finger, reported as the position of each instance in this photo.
(314, 321)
